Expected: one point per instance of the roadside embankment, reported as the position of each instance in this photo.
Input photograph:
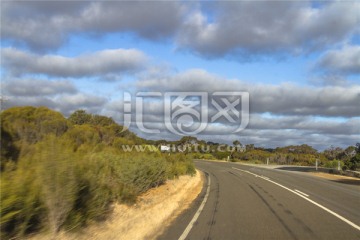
(146, 219)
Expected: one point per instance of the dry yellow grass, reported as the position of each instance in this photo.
(147, 219)
(333, 176)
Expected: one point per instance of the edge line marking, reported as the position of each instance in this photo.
(197, 214)
(307, 199)
(306, 195)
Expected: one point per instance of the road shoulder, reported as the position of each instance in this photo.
(149, 217)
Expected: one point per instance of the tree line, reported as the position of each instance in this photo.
(303, 154)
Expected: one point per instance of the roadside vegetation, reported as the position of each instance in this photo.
(63, 174)
(302, 155)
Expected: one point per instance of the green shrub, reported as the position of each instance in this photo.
(66, 177)
(179, 164)
(333, 164)
(22, 209)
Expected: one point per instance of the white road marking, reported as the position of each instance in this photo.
(301, 193)
(266, 178)
(197, 214)
(307, 199)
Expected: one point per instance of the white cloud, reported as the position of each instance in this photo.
(245, 29)
(65, 103)
(285, 99)
(37, 87)
(240, 29)
(99, 63)
(342, 61)
(69, 103)
(44, 25)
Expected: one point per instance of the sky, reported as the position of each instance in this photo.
(299, 62)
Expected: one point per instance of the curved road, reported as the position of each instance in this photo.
(246, 202)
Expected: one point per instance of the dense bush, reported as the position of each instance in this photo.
(334, 164)
(65, 175)
(353, 163)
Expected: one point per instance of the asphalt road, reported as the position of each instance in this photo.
(245, 202)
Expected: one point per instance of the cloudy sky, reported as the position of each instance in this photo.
(298, 60)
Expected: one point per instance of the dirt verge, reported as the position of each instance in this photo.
(337, 178)
(148, 218)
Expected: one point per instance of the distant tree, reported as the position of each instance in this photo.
(236, 143)
(250, 147)
(357, 148)
(333, 152)
(202, 142)
(281, 158)
(101, 120)
(304, 148)
(354, 162)
(31, 124)
(349, 152)
(80, 117)
(300, 149)
(188, 140)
